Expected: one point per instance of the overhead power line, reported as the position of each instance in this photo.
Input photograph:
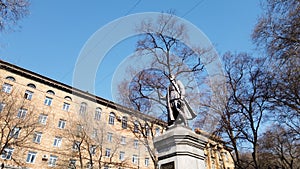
(194, 7)
(128, 12)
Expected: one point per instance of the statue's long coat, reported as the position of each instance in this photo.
(179, 93)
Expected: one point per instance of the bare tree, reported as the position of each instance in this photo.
(89, 141)
(278, 33)
(246, 106)
(145, 129)
(11, 11)
(163, 42)
(279, 148)
(18, 122)
(264, 89)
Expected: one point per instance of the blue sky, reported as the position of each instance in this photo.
(54, 33)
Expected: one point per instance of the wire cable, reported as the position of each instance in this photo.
(194, 7)
(129, 11)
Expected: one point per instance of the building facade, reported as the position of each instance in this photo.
(217, 154)
(48, 124)
(56, 125)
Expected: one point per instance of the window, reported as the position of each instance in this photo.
(147, 130)
(221, 164)
(43, 119)
(146, 148)
(83, 107)
(10, 78)
(213, 166)
(61, 124)
(2, 105)
(15, 132)
(93, 149)
(31, 85)
(136, 144)
(37, 136)
(76, 145)
(111, 119)
(48, 101)
(22, 113)
(98, 114)
(28, 95)
(109, 137)
(107, 152)
(72, 164)
(157, 131)
(122, 156)
(7, 88)
(147, 162)
(124, 122)
(68, 98)
(50, 92)
(7, 153)
(79, 129)
(219, 155)
(95, 133)
(134, 159)
(88, 165)
(66, 106)
(123, 140)
(136, 127)
(57, 141)
(31, 157)
(106, 167)
(226, 156)
(52, 160)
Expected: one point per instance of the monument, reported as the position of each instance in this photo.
(179, 147)
(179, 110)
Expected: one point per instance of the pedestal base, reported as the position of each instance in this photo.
(179, 148)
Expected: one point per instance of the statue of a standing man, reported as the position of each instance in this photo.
(179, 111)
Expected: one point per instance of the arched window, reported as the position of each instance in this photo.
(51, 92)
(124, 122)
(83, 108)
(31, 85)
(111, 118)
(68, 98)
(10, 78)
(98, 113)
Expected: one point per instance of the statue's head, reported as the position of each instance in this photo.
(172, 77)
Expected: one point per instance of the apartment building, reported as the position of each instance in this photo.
(48, 124)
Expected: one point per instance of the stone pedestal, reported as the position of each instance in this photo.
(180, 148)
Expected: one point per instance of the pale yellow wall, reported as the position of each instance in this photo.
(55, 113)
